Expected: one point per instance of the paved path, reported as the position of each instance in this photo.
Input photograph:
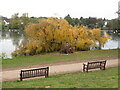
(54, 70)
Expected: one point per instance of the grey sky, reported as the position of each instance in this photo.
(60, 8)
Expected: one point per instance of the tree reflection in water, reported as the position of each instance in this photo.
(10, 40)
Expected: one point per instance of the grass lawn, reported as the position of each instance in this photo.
(48, 58)
(99, 79)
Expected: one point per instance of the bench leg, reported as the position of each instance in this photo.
(20, 78)
(83, 69)
(102, 68)
(45, 76)
(86, 70)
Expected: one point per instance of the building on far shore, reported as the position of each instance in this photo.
(6, 21)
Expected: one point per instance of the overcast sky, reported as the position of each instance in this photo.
(60, 8)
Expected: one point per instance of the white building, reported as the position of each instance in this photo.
(7, 21)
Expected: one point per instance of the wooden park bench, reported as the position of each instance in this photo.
(34, 73)
(94, 65)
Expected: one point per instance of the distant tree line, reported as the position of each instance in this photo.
(20, 22)
(90, 22)
(113, 24)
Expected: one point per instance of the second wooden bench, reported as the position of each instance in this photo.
(94, 65)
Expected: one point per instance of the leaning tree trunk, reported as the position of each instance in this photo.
(99, 46)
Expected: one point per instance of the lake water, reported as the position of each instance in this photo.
(9, 40)
(114, 43)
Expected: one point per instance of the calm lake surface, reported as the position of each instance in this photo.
(9, 40)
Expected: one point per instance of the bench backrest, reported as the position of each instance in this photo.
(34, 73)
(96, 64)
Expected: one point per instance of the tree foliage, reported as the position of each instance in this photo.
(113, 24)
(21, 22)
(91, 22)
(54, 34)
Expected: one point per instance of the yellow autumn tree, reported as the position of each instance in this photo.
(98, 38)
(53, 34)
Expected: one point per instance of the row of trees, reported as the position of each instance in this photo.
(54, 34)
(19, 22)
(113, 24)
(89, 22)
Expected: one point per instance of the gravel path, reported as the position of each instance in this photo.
(11, 75)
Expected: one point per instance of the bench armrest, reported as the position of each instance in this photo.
(84, 64)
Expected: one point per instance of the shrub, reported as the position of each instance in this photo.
(53, 34)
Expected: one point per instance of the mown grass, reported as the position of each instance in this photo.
(99, 79)
(23, 61)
